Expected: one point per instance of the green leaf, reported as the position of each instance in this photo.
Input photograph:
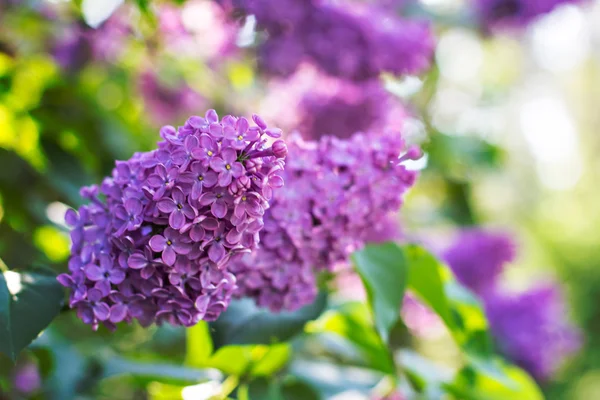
(245, 323)
(199, 345)
(425, 279)
(254, 360)
(28, 303)
(114, 366)
(352, 321)
(458, 308)
(291, 388)
(5, 326)
(461, 312)
(475, 385)
(383, 271)
(272, 360)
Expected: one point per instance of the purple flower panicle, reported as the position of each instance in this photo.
(531, 329)
(155, 241)
(335, 190)
(499, 14)
(478, 257)
(374, 41)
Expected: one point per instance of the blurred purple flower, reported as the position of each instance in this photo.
(477, 257)
(26, 378)
(373, 40)
(499, 14)
(532, 329)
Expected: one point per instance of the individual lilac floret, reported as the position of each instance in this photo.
(498, 14)
(335, 191)
(478, 257)
(155, 241)
(532, 330)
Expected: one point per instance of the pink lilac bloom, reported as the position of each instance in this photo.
(198, 29)
(167, 102)
(532, 329)
(478, 257)
(373, 41)
(499, 14)
(316, 105)
(335, 190)
(157, 237)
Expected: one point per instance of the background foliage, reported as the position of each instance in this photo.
(509, 128)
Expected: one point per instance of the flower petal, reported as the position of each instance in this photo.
(158, 243)
(118, 312)
(176, 220)
(169, 256)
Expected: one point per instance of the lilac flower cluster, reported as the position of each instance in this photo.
(478, 257)
(315, 105)
(374, 41)
(494, 14)
(531, 329)
(156, 238)
(336, 189)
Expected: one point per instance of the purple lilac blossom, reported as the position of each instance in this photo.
(166, 102)
(373, 41)
(498, 14)
(531, 329)
(335, 190)
(477, 257)
(316, 105)
(155, 241)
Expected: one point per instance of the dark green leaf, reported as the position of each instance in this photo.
(383, 270)
(114, 365)
(34, 300)
(245, 323)
(291, 388)
(6, 344)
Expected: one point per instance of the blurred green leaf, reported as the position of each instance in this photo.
(114, 365)
(383, 270)
(479, 386)
(28, 303)
(273, 359)
(460, 311)
(352, 321)
(258, 360)
(199, 345)
(291, 388)
(425, 279)
(245, 323)
(457, 156)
